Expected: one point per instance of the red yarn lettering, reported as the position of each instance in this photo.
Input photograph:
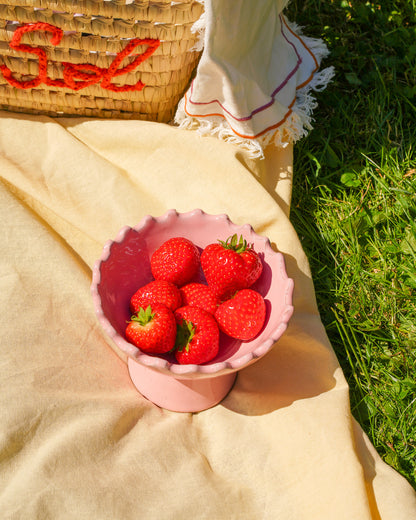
(78, 76)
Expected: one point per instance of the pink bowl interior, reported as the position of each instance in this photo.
(125, 266)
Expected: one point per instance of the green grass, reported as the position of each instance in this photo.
(354, 208)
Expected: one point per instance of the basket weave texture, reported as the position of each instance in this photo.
(100, 58)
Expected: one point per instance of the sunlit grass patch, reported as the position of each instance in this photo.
(354, 208)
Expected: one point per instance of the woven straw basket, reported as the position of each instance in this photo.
(100, 58)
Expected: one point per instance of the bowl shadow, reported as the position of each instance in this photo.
(301, 364)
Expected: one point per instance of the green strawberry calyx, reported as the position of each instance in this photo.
(143, 316)
(185, 331)
(239, 245)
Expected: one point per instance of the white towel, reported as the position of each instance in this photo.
(254, 80)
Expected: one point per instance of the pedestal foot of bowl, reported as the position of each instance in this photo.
(180, 395)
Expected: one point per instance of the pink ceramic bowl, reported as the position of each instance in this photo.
(124, 266)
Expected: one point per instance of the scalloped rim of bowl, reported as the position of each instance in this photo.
(188, 370)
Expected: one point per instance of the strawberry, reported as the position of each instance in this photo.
(229, 266)
(197, 338)
(176, 260)
(199, 295)
(243, 315)
(158, 291)
(152, 330)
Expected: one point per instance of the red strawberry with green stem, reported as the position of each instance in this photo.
(176, 260)
(243, 315)
(157, 291)
(199, 295)
(197, 338)
(230, 265)
(153, 329)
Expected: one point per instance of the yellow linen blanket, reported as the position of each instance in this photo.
(77, 441)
